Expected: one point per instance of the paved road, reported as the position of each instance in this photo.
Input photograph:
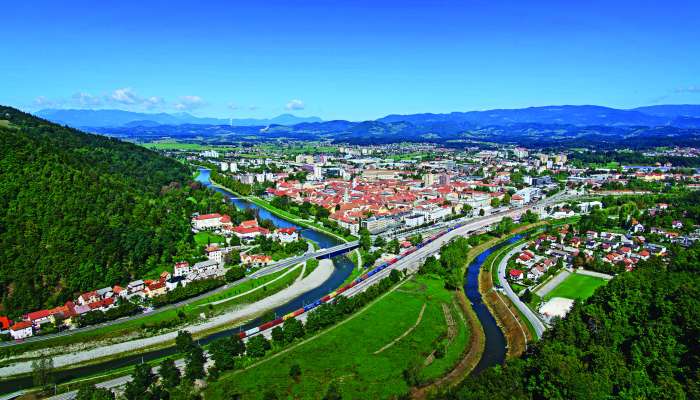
(271, 269)
(410, 264)
(529, 314)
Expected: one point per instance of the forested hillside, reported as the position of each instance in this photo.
(80, 211)
(636, 338)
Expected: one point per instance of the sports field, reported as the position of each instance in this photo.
(366, 355)
(576, 287)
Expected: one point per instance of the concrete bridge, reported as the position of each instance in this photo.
(328, 252)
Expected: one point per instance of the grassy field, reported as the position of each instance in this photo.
(359, 372)
(576, 287)
(203, 238)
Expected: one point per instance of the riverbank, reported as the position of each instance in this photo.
(239, 315)
(283, 214)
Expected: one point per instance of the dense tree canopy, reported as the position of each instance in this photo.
(79, 212)
(636, 338)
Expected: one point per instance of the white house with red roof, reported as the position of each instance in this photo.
(286, 235)
(517, 200)
(21, 330)
(515, 274)
(256, 260)
(211, 221)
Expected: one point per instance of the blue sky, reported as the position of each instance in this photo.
(353, 60)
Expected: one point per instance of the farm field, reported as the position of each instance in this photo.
(576, 287)
(365, 356)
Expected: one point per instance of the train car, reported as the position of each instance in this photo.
(332, 294)
(372, 272)
(252, 331)
(277, 321)
(265, 326)
(325, 298)
(298, 312)
(241, 335)
(364, 276)
(393, 261)
(342, 289)
(288, 316)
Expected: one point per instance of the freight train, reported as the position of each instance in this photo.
(329, 297)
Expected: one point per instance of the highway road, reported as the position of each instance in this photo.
(524, 309)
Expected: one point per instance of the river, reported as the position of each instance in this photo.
(343, 269)
(495, 347)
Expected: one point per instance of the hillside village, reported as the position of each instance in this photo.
(138, 295)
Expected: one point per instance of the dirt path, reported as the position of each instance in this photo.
(408, 331)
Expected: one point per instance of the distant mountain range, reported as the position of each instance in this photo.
(533, 126)
(119, 118)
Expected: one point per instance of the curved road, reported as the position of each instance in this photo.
(524, 309)
(271, 269)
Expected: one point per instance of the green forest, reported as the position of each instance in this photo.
(81, 211)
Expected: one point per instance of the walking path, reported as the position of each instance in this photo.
(408, 331)
(246, 312)
(552, 283)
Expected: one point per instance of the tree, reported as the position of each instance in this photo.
(257, 346)
(295, 371)
(235, 273)
(42, 371)
(141, 380)
(393, 247)
(495, 202)
(194, 364)
(365, 240)
(379, 241)
(293, 329)
(169, 373)
(224, 351)
(233, 257)
(278, 335)
(90, 392)
(506, 198)
(184, 342)
(333, 392)
(416, 239)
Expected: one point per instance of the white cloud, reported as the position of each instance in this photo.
(125, 96)
(295, 104)
(233, 106)
(189, 103)
(86, 99)
(43, 102)
(689, 89)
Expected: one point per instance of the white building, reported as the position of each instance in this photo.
(21, 330)
(286, 235)
(206, 221)
(414, 220)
